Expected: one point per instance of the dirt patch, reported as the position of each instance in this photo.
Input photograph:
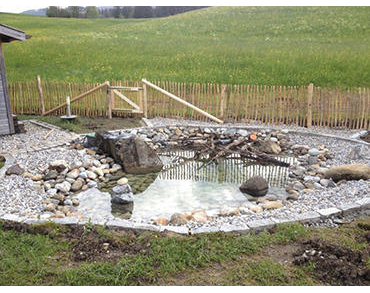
(110, 124)
(334, 264)
(89, 243)
(93, 246)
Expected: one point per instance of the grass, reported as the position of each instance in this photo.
(329, 46)
(43, 255)
(34, 259)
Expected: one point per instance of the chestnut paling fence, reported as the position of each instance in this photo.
(298, 105)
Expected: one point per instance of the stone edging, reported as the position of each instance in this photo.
(359, 207)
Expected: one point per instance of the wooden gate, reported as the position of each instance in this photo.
(136, 109)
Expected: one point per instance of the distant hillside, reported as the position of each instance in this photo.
(329, 46)
(38, 12)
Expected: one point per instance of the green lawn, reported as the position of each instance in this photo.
(50, 254)
(329, 46)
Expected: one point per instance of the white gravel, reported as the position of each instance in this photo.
(33, 139)
(21, 195)
(18, 195)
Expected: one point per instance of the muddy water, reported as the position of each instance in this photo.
(185, 184)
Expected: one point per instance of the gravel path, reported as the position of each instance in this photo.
(33, 139)
(21, 195)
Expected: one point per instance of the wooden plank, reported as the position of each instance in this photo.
(181, 101)
(127, 88)
(128, 111)
(123, 97)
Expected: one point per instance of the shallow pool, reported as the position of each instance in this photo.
(185, 184)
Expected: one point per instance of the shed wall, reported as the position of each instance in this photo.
(6, 122)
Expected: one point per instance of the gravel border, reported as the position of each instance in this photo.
(358, 208)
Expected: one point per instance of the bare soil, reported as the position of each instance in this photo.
(94, 124)
(334, 264)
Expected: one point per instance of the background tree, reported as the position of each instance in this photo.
(143, 12)
(75, 11)
(91, 12)
(128, 11)
(116, 12)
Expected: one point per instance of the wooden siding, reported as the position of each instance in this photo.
(6, 119)
(4, 126)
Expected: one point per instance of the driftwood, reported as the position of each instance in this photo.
(215, 148)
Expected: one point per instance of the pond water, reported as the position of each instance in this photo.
(185, 184)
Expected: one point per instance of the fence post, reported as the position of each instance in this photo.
(223, 101)
(145, 90)
(309, 105)
(140, 96)
(109, 101)
(38, 80)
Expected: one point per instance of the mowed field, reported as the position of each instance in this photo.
(329, 46)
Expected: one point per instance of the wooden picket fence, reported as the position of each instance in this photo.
(299, 105)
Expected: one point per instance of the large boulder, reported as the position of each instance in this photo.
(255, 186)
(348, 172)
(137, 157)
(133, 153)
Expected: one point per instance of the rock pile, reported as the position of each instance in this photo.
(309, 173)
(63, 182)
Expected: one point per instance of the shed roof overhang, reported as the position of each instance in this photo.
(9, 34)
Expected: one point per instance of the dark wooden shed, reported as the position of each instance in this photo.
(7, 34)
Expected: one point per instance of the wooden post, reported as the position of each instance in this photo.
(38, 79)
(109, 101)
(223, 101)
(309, 105)
(145, 90)
(140, 96)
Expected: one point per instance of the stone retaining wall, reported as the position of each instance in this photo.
(360, 207)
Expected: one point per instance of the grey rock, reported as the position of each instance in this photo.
(123, 198)
(121, 189)
(255, 186)
(14, 170)
(313, 152)
(64, 187)
(92, 184)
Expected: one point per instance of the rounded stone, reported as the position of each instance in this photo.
(122, 181)
(255, 186)
(178, 219)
